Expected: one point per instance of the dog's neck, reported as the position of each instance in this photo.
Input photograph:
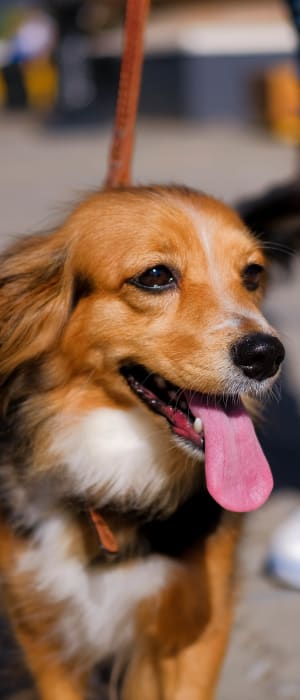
(28, 505)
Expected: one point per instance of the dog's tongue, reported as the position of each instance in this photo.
(238, 476)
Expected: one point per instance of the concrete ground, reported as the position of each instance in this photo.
(42, 173)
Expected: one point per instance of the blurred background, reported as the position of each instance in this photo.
(220, 111)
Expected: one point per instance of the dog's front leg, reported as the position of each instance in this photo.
(189, 675)
(180, 656)
(54, 677)
(34, 619)
(53, 680)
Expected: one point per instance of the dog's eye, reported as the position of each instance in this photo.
(155, 279)
(251, 276)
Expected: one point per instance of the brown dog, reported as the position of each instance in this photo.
(127, 339)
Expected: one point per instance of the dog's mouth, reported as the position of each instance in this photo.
(237, 473)
(169, 401)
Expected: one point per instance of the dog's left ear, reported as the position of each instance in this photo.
(35, 299)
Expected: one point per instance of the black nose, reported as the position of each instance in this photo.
(259, 355)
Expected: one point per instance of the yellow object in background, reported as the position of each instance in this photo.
(2, 90)
(282, 92)
(40, 80)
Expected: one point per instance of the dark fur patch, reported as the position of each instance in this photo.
(82, 287)
(275, 218)
(192, 522)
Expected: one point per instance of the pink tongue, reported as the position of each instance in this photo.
(238, 476)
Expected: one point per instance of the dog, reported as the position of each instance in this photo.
(130, 339)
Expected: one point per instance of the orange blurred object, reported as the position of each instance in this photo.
(282, 102)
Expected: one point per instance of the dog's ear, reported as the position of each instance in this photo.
(35, 299)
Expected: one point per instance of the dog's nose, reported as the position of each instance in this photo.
(259, 355)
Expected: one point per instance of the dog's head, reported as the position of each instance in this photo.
(122, 333)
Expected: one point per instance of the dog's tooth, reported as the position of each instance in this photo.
(172, 394)
(160, 381)
(198, 425)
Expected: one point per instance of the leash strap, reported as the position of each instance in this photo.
(106, 538)
(119, 172)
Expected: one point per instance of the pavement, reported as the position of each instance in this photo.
(42, 174)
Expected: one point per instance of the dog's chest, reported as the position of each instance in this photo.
(98, 603)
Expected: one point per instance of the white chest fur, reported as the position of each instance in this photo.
(119, 456)
(99, 604)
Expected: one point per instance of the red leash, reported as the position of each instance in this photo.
(119, 169)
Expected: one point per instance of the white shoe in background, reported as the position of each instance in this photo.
(283, 560)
